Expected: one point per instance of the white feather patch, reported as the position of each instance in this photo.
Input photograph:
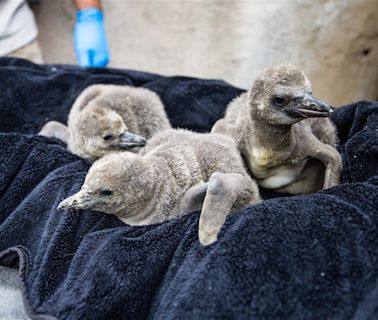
(261, 106)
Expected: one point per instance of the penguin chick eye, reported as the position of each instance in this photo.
(279, 101)
(106, 192)
(108, 137)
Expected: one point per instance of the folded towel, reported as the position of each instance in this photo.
(298, 257)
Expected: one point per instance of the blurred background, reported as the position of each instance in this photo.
(335, 42)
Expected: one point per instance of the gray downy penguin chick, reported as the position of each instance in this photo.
(284, 133)
(106, 118)
(177, 172)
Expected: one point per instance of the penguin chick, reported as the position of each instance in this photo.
(106, 118)
(55, 129)
(284, 133)
(177, 172)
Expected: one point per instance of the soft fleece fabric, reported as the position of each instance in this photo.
(300, 257)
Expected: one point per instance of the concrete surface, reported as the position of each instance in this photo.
(11, 305)
(334, 41)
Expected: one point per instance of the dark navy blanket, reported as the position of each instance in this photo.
(301, 257)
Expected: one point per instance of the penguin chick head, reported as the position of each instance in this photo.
(100, 130)
(282, 95)
(120, 183)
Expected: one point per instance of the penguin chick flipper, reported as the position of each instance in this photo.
(226, 191)
(55, 129)
(194, 197)
(331, 159)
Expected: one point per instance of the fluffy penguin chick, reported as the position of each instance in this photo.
(284, 133)
(110, 117)
(177, 172)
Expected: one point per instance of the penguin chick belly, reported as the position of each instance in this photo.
(277, 177)
(271, 174)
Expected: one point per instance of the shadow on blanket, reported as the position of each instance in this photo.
(301, 257)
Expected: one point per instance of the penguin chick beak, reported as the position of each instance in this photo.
(78, 201)
(128, 140)
(310, 107)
